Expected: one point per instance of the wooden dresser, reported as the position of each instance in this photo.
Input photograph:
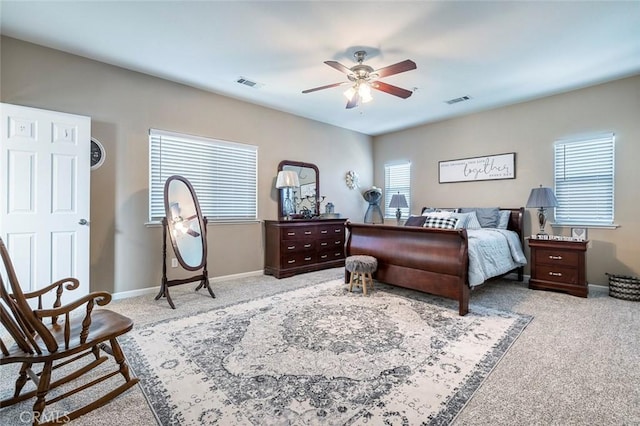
(559, 265)
(297, 246)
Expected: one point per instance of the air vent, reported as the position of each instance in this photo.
(456, 100)
(246, 82)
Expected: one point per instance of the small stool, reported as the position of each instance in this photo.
(361, 267)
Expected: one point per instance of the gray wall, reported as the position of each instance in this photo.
(529, 129)
(126, 254)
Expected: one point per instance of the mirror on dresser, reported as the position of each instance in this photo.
(298, 186)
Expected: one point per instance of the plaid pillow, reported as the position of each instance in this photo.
(440, 222)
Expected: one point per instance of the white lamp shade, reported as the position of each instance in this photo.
(287, 179)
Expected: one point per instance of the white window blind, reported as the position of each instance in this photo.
(397, 178)
(223, 174)
(584, 180)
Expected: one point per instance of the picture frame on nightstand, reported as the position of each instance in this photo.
(579, 234)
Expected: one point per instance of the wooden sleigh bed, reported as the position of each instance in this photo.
(431, 260)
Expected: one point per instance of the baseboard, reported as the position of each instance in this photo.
(156, 289)
(526, 278)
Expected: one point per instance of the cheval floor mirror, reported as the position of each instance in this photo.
(187, 229)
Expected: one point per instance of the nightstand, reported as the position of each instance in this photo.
(559, 265)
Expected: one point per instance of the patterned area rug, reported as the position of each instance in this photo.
(320, 356)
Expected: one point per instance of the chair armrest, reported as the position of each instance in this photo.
(59, 286)
(102, 298)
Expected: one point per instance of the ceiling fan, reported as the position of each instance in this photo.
(363, 78)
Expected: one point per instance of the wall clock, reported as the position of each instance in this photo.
(98, 154)
(352, 180)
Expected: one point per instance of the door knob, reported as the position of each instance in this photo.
(83, 222)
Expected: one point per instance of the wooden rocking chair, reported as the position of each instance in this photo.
(62, 340)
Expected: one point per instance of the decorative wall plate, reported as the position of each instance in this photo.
(352, 179)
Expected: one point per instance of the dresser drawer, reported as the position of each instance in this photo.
(295, 246)
(557, 257)
(292, 260)
(331, 243)
(327, 230)
(299, 233)
(560, 274)
(334, 253)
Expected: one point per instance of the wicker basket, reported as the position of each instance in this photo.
(623, 287)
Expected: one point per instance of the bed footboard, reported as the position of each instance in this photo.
(431, 260)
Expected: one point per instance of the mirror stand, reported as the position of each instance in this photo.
(187, 229)
(166, 283)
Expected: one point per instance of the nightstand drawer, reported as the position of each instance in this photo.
(556, 257)
(557, 274)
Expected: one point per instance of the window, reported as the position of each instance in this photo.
(397, 178)
(223, 174)
(584, 181)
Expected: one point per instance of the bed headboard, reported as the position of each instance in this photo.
(516, 221)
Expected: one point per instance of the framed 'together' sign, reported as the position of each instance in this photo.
(490, 167)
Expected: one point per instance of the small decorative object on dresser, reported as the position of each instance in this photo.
(299, 246)
(558, 265)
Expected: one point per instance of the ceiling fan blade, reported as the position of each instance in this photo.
(391, 89)
(354, 102)
(403, 66)
(328, 86)
(339, 67)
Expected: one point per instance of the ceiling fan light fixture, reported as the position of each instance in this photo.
(365, 93)
(349, 93)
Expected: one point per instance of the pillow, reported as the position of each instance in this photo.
(415, 221)
(505, 215)
(472, 222)
(426, 210)
(440, 222)
(442, 215)
(463, 219)
(488, 217)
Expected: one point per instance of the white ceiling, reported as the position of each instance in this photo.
(498, 53)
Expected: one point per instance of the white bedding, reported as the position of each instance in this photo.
(493, 252)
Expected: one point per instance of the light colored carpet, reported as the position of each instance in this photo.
(320, 355)
(576, 363)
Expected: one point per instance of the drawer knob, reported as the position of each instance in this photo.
(555, 257)
(555, 274)
(291, 234)
(323, 244)
(338, 242)
(307, 259)
(307, 245)
(337, 230)
(291, 247)
(307, 232)
(291, 261)
(324, 231)
(324, 256)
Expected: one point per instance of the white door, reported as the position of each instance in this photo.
(44, 191)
